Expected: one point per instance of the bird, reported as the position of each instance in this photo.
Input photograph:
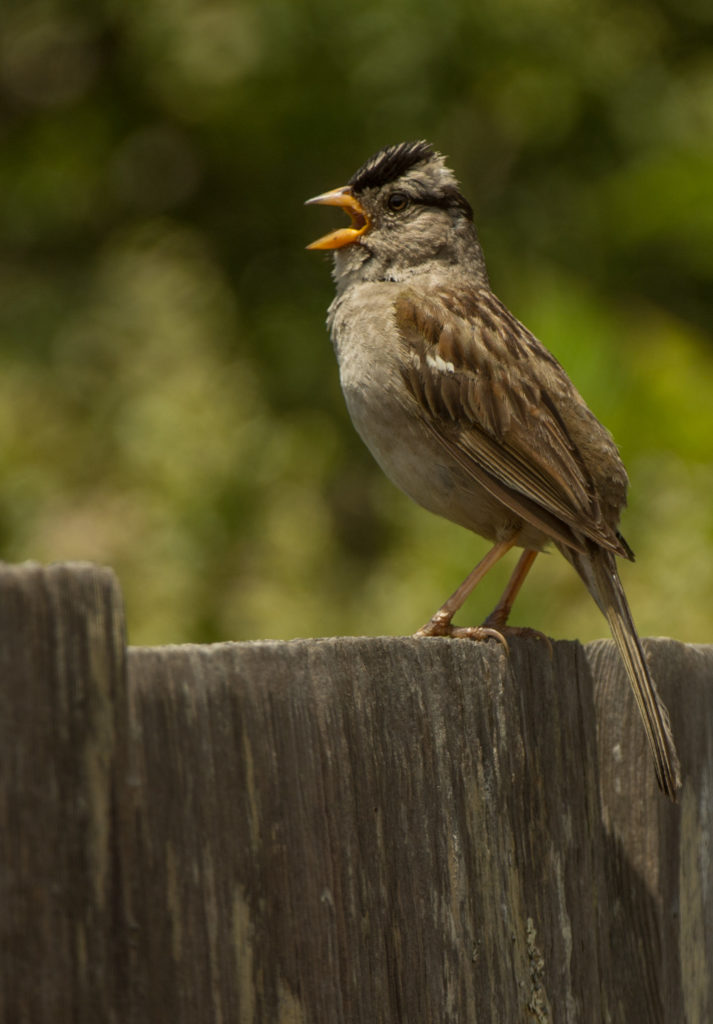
(466, 411)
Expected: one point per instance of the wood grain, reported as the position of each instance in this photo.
(62, 672)
(342, 830)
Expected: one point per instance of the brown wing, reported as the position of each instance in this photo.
(497, 399)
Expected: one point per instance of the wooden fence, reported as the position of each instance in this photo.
(341, 831)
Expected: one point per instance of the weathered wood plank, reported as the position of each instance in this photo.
(61, 675)
(659, 860)
(387, 829)
(356, 830)
(418, 831)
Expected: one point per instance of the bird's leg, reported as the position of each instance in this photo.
(501, 612)
(440, 624)
(499, 616)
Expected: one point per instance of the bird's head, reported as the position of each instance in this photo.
(407, 211)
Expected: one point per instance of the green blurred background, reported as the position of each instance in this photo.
(170, 403)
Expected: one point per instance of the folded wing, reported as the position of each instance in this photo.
(496, 399)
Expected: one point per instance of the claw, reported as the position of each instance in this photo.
(525, 631)
(439, 627)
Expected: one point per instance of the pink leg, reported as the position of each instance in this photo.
(440, 623)
(500, 614)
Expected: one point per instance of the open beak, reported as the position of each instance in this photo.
(343, 198)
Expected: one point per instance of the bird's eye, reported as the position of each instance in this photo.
(397, 202)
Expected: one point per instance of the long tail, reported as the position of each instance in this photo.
(598, 570)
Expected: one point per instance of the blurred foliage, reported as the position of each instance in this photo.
(170, 403)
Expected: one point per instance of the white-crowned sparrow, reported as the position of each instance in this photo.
(465, 410)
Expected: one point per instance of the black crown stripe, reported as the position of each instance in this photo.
(390, 163)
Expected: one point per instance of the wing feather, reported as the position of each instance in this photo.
(494, 397)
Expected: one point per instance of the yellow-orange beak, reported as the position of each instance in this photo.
(343, 198)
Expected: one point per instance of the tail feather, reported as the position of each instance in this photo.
(599, 568)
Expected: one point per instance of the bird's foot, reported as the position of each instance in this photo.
(441, 625)
(492, 629)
